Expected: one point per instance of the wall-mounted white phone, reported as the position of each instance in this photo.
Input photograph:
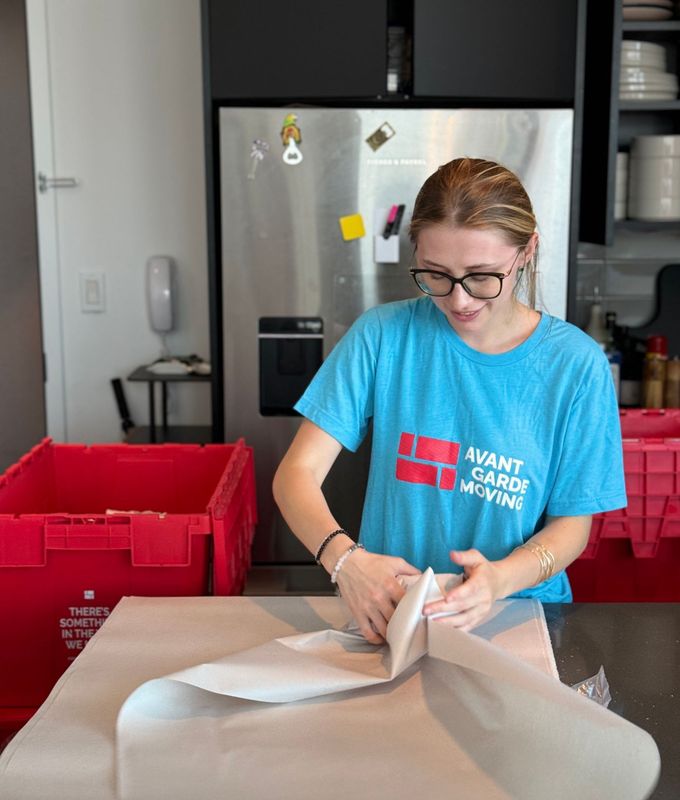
(161, 293)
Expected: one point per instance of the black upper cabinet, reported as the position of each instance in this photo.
(515, 51)
(297, 49)
(524, 50)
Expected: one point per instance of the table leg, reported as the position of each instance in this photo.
(152, 412)
(164, 391)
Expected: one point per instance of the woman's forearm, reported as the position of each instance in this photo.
(298, 495)
(564, 537)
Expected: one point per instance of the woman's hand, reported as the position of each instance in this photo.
(368, 584)
(470, 601)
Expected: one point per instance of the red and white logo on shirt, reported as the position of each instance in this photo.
(423, 459)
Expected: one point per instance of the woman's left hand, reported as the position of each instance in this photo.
(469, 602)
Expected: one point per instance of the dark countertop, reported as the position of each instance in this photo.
(639, 646)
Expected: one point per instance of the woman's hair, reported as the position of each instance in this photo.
(475, 193)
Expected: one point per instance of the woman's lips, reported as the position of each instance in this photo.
(467, 316)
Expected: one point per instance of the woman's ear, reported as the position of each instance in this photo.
(531, 248)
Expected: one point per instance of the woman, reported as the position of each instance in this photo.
(495, 426)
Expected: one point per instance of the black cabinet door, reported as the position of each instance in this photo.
(519, 50)
(296, 49)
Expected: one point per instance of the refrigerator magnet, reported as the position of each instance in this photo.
(378, 138)
(385, 247)
(352, 227)
(291, 138)
(258, 150)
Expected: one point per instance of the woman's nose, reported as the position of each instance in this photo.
(459, 298)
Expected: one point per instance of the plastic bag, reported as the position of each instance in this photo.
(596, 688)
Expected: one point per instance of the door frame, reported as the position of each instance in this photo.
(47, 219)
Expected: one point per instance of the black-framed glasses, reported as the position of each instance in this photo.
(482, 285)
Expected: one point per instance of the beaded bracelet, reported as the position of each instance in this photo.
(342, 559)
(545, 557)
(326, 542)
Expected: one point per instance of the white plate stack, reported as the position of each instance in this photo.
(654, 178)
(647, 9)
(621, 192)
(643, 72)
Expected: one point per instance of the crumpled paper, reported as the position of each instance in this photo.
(435, 712)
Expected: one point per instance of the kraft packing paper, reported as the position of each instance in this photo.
(436, 713)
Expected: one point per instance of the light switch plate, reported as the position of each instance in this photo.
(92, 292)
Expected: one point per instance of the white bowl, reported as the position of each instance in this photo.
(642, 46)
(665, 3)
(660, 81)
(636, 69)
(648, 95)
(641, 12)
(646, 75)
(655, 146)
(641, 58)
(646, 187)
(648, 87)
(653, 208)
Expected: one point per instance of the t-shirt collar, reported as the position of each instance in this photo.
(496, 359)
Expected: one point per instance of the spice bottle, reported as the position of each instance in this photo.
(596, 323)
(672, 389)
(601, 328)
(655, 372)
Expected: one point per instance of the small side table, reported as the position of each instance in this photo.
(180, 433)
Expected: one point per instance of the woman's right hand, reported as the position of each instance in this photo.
(369, 585)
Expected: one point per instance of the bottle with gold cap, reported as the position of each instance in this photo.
(672, 388)
(654, 378)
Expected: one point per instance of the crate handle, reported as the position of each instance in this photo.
(159, 545)
(223, 494)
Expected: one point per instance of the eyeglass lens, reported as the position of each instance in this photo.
(481, 286)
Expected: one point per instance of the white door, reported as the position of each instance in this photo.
(117, 111)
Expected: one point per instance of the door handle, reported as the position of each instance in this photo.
(45, 183)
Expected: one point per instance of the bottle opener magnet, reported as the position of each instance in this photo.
(378, 138)
(258, 149)
(291, 138)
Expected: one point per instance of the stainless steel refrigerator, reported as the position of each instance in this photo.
(305, 197)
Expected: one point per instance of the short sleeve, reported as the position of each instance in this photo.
(339, 398)
(590, 477)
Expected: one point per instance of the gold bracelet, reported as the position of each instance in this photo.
(545, 557)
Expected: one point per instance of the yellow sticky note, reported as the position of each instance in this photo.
(352, 227)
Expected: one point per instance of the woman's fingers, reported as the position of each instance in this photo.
(374, 631)
(466, 620)
(368, 584)
(402, 567)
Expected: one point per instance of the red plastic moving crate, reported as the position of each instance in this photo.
(634, 553)
(70, 548)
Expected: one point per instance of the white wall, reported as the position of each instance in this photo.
(126, 109)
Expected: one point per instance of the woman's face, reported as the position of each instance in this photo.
(467, 251)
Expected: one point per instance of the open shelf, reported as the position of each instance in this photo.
(649, 105)
(656, 26)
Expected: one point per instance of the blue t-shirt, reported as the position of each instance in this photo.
(470, 449)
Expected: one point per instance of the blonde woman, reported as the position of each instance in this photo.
(495, 426)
